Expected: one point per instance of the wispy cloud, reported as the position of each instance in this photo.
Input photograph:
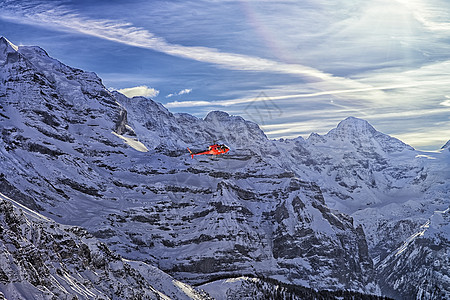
(61, 18)
(422, 140)
(142, 90)
(182, 92)
(185, 91)
(446, 102)
(293, 96)
(430, 13)
(401, 124)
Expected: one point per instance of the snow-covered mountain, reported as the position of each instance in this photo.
(41, 259)
(328, 212)
(394, 192)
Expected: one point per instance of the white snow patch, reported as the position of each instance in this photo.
(133, 143)
(26, 210)
(442, 211)
(221, 288)
(188, 290)
(242, 278)
(425, 156)
(403, 247)
(12, 45)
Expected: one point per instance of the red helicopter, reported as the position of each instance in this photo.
(215, 149)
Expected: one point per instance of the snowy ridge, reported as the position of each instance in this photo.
(328, 212)
(447, 145)
(157, 127)
(361, 133)
(7, 49)
(423, 259)
(41, 259)
(9, 44)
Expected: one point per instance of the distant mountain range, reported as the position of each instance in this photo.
(354, 209)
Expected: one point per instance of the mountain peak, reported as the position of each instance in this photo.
(7, 46)
(217, 115)
(356, 125)
(359, 131)
(353, 126)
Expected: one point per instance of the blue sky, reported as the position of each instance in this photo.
(294, 67)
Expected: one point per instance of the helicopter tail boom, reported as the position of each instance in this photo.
(192, 154)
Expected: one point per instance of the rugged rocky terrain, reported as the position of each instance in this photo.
(41, 259)
(346, 210)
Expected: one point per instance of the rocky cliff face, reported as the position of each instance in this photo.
(41, 259)
(312, 212)
(422, 259)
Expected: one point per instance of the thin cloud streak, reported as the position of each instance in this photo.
(62, 19)
(422, 140)
(179, 104)
(373, 116)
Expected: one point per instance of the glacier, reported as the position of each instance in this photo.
(342, 211)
